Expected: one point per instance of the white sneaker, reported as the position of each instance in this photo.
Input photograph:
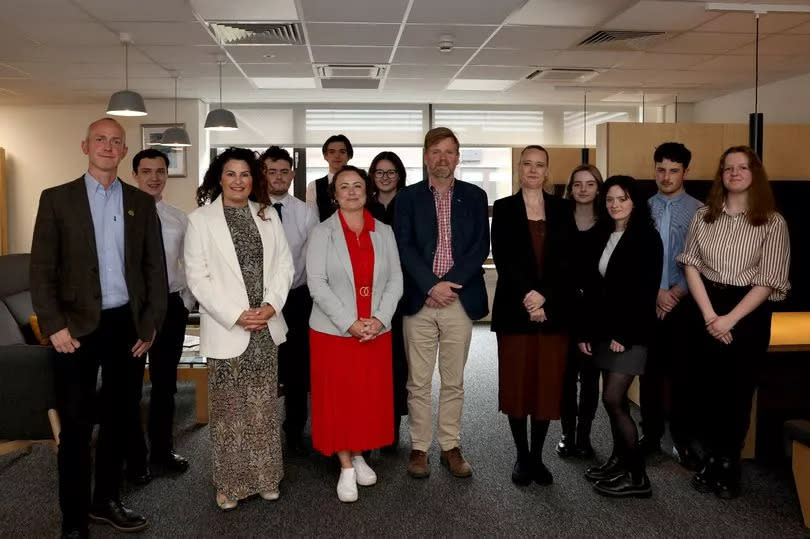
(347, 485)
(269, 495)
(365, 475)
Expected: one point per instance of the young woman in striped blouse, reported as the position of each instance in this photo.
(736, 261)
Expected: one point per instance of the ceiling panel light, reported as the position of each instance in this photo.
(491, 85)
(284, 82)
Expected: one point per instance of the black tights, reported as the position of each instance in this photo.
(614, 397)
(539, 430)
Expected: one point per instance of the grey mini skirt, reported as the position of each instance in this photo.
(631, 361)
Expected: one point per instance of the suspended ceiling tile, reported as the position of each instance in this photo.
(245, 10)
(702, 43)
(793, 44)
(352, 34)
(142, 10)
(495, 72)
(421, 71)
(590, 58)
(567, 13)
(745, 23)
(273, 54)
(277, 70)
(165, 33)
(351, 55)
(416, 84)
(538, 37)
(456, 12)
(511, 57)
(71, 33)
(355, 11)
(42, 10)
(432, 56)
(656, 16)
(666, 61)
(428, 35)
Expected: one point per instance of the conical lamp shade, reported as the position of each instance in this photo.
(175, 137)
(221, 120)
(126, 103)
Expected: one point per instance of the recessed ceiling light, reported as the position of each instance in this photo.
(480, 84)
(269, 55)
(284, 82)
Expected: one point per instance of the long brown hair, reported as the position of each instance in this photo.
(761, 203)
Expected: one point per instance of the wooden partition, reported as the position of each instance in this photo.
(562, 160)
(627, 148)
(3, 205)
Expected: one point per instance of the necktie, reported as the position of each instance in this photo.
(278, 206)
(666, 222)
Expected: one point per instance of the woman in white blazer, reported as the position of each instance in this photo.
(354, 276)
(239, 268)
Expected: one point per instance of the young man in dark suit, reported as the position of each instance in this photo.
(98, 287)
(442, 231)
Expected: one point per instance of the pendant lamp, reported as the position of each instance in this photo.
(126, 102)
(175, 136)
(220, 119)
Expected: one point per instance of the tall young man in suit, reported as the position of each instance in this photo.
(337, 152)
(672, 209)
(98, 287)
(150, 170)
(298, 220)
(442, 230)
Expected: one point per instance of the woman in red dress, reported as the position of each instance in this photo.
(354, 276)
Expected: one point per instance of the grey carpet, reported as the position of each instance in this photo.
(488, 504)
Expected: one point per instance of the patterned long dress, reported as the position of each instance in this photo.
(244, 417)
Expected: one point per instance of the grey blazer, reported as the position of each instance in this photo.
(331, 281)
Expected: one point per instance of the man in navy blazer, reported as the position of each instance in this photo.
(442, 230)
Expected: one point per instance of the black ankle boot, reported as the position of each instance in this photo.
(634, 484)
(704, 480)
(610, 469)
(565, 447)
(727, 478)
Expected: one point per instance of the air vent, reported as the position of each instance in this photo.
(622, 39)
(350, 71)
(249, 33)
(562, 75)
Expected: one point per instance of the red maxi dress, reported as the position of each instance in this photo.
(351, 382)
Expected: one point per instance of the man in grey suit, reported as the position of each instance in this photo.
(98, 287)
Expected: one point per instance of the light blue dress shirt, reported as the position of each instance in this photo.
(672, 217)
(107, 210)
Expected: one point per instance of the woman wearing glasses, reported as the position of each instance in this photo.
(736, 261)
(388, 174)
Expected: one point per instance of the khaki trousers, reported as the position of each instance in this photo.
(446, 331)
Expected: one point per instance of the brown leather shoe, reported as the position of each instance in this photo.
(418, 464)
(456, 463)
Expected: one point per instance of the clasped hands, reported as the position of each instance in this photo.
(667, 300)
(442, 294)
(533, 302)
(720, 327)
(365, 329)
(256, 319)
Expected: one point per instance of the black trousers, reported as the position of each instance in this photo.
(723, 377)
(164, 355)
(115, 408)
(293, 360)
(664, 384)
(579, 367)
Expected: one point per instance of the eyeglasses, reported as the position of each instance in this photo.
(387, 173)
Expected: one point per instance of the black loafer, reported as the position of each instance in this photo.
(171, 462)
(541, 475)
(565, 447)
(119, 517)
(625, 486)
(704, 480)
(522, 473)
(610, 469)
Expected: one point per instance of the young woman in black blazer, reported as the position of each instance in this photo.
(619, 317)
(530, 309)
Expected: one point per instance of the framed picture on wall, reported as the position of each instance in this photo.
(152, 135)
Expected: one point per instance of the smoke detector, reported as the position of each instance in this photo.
(446, 43)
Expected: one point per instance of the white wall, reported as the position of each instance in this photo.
(43, 149)
(783, 102)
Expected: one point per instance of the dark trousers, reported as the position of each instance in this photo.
(723, 377)
(293, 360)
(164, 355)
(115, 408)
(579, 367)
(661, 387)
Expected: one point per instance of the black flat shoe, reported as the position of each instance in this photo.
(626, 485)
(610, 469)
(171, 462)
(119, 517)
(541, 475)
(565, 447)
(704, 480)
(522, 473)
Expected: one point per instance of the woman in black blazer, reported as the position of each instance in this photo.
(620, 313)
(530, 309)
